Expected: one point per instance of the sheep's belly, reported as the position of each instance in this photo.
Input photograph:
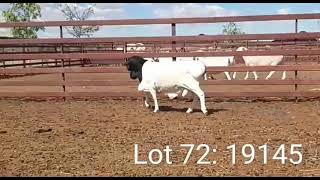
(167, 88)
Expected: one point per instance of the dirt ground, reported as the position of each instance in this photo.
(96, 138)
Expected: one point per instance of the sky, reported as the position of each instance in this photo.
(105, 11)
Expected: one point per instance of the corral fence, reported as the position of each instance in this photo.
(288, 44)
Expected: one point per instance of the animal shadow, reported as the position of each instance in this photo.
(172, 109)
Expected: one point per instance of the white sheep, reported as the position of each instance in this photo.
(217, 61)
(159, 76)
(133, 47)
(261, 61)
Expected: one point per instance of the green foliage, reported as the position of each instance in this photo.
(73, 12)
(231, 29)
(23, 12)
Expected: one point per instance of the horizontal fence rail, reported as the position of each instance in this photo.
(163, 20)
(285, 52)
(138, 94)
(124, 70)
(278, 36)
(135, 83)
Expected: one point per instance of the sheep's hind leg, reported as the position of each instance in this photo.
(247, 76)
(283, 75)
(201, 96)
(234, 75)
(255, 75)
(192, 85)
(270, 74)
(227, 75)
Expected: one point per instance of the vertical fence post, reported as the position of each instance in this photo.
(63, 75)
(4, 66)
(296, 26)
(24, 61)
(296, 63)
(4, 63)
(296, 77)
(55, 50)
(125, 50)
(82, 60)
(318, 55)
(173, 33)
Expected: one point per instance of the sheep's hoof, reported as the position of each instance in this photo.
(155, 111)
(189, 110)
(205, 113)
(147, 105)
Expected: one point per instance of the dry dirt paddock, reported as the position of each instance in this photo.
(96, 138)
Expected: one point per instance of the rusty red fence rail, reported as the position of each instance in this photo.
(286, 52)
(164, 20)
(278, 36)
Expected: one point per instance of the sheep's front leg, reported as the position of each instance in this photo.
(146, 100)
(154, 96)
(190, 110)
(234, 75)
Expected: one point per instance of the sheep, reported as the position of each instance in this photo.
(261, 61)
(136, 47)
(158, 76)
(217, 61)
(133, 47)
(208, 61)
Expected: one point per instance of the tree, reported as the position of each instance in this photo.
(73, 12)
(231, 29)
(21, 12)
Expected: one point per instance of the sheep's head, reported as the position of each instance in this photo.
(242, 49)
(134, 65)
